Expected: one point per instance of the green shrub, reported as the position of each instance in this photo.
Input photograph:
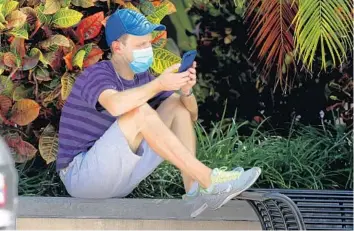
(309, 158)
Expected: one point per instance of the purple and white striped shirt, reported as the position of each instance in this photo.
(83, 120)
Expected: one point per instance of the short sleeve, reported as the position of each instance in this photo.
(160, 97)
(97, 80)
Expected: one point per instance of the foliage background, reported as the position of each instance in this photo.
(46, 44)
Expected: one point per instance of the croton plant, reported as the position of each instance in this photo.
(44, 45)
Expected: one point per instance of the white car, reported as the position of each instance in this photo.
(8, 188)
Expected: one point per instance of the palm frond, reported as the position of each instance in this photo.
(325, 26)
(273, 30)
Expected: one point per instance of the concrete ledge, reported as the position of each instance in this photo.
(141, 209)
(115, 224)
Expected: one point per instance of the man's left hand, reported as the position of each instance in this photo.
(193, 79)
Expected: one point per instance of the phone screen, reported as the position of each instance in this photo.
(187, 60)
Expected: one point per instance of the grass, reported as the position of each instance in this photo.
(308, 158)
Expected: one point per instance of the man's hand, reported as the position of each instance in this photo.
(192, 79)
(171, 81)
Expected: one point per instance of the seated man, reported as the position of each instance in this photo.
(119, 123)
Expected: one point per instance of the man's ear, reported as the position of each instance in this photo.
(116, 47)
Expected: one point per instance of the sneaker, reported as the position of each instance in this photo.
(225, 186)
(195, 189)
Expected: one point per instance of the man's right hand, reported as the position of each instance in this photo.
(169, 80)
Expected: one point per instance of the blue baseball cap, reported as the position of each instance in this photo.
(127, 21)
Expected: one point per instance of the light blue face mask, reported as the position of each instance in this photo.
(142, 60)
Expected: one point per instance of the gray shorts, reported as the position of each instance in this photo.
(109, 168)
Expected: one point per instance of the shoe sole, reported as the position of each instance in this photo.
(205, 205)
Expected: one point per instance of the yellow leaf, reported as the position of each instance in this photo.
(58, 39)
(9, 7)
(48, 144)
(1, 71)
(158, 15)
(24, 111)
(163, 59)
(79, 58)
(51, 6)
(16, 19)
(65, 18)
(67, 83)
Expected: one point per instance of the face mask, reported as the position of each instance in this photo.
(142, 60)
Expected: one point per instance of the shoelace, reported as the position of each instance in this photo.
(221, 175)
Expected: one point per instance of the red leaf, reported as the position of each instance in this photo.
(23, 150)
(90, 27)
(93, 57)
(68, 60)
(5, 104)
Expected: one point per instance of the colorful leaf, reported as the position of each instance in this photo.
(58, 39)
(171, 6)
(19, 33)
(43, 18)
(146, 7)
(5, 104)
(67, 83)
(42, 74)
(51, 6)
(35, 51)
(15, 19)
(10, 59)
(158, 15)
(6, 85)
(90, 27)
(130, 5)
(54, 59)
(320, 26)
(21, 92)
(22, 151)
(163, 59)
(273, 30)
(157, 35)
(83, 3)
(24, 111)
(93, 57)
(51, 96)
(79, 58)
(29, 62)
(48, 144)
(18, 46)
(65, 3)
(30, 13)
(65, 18)
(9, 7)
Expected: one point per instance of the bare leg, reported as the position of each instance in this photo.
(146, 122)
(178, 118)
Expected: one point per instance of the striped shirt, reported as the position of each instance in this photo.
(83, 120)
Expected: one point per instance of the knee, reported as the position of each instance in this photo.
(180, 111)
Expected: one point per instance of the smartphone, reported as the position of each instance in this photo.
(187, 60)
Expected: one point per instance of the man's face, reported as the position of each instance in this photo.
(129, 43)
